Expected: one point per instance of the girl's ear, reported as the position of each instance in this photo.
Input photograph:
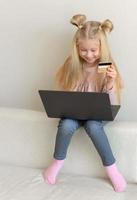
(107, 26)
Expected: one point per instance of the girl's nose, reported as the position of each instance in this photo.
(88, 54)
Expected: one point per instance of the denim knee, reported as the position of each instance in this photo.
(93, 127)
(68, 126)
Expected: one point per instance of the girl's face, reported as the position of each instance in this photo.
(89, 50)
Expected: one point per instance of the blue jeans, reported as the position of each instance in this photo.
(95, 131)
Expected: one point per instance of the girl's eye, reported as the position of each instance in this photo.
(92, 50)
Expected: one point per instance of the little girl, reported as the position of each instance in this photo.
(80, 73)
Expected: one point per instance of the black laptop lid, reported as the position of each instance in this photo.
(77, 105)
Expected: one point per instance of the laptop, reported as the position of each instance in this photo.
(78, 105)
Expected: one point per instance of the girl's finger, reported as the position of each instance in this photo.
(110, 74)
(111, 68)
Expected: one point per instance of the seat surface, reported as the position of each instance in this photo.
(21, 183)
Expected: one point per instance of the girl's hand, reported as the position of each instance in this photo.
(111, 76)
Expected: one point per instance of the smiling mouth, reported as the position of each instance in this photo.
(88, 59)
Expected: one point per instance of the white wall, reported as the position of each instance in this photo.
(35, 38)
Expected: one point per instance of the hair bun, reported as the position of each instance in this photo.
(78, 20)
(107, 25)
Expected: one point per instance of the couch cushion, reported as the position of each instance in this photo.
(27, 139)
(18, 183)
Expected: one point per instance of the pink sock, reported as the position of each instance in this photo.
(52, 171)
(116, 178)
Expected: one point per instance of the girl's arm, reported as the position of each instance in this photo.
(111, 75)
(110, 86)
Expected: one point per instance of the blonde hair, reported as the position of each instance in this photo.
(72, 70)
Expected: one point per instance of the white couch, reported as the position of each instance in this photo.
(26, 147)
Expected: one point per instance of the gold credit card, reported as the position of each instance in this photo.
(102, 67)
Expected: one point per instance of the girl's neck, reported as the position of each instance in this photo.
(90, 67)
